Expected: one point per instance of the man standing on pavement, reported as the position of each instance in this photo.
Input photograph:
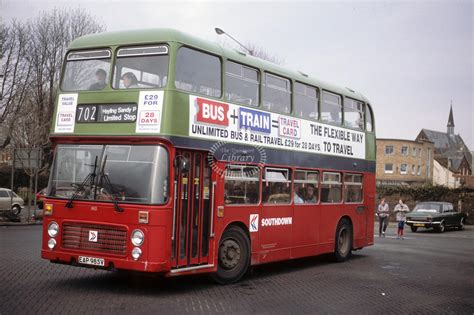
(383, 213)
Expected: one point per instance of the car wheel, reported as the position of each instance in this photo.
(414, 229)
(233, 256)
(343, 248)
(441, 228)
(16, 210)
(461, 225)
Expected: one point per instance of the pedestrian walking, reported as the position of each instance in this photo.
(383, 212)
(401, 209)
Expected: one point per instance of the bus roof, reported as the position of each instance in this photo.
(150, 36)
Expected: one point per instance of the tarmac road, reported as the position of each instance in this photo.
(425, 273)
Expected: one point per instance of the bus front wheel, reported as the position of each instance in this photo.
(233, 256)
(343, 247)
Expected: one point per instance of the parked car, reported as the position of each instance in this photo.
(437, 215)
(9, 201)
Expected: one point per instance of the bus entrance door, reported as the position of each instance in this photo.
(190, 243)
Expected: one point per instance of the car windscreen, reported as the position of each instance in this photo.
(428, 207)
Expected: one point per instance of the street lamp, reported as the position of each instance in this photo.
(220, 31)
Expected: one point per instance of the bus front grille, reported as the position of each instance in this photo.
(94, 237)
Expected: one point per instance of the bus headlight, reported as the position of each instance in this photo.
(137, 237)
(53, 229)
(51, 243)
(136, 253)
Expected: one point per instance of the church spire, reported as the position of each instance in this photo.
(451, 121)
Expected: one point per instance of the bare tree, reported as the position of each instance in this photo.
(32, 55)
(261, 53)
(253, 50)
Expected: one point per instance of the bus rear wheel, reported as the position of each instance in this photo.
(233, 256)
(343, 247)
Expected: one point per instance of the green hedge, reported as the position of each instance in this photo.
(423, 193)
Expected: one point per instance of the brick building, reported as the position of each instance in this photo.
(404, 162)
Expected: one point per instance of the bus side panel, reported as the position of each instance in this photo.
(369, 197)
(330, 215)
(306, 227)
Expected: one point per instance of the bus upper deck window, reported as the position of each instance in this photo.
(86, 70)
(368, 119)
(305, 101)
(331, 108)
(143, 67)
(277, 94)
(354, 114)
(242, 84)
(198, 72)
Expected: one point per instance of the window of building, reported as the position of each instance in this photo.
(305, 101)
(353, 114)
(413, 152)
(388, 168)
(242, 84)
(404, 150)
(198, 72)
(242, 184)
(353, 188)
(306, 187)
(277, 94)
(331, 185)
(419, 170)
(331, 108)
(419, 151)
(413, 169)
(276, 186)
(403, 169)
(368, 119)
(389, 150)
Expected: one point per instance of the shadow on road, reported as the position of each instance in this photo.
(124, 282)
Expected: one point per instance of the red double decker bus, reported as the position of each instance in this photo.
(174, 155)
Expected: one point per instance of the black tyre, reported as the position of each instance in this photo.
(343, 247)
(461, 225)
(16, 210)
(441, 228)
(233, 256)
(414, 228)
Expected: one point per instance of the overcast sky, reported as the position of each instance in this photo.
(410, 58)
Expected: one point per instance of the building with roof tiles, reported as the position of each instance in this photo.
(452, 158)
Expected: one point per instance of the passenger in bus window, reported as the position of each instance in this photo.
(296, 197)
(309, 194)
(100, 76)
(130, 80)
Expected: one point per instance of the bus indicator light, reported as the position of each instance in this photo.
(211, 112)
(143, 217)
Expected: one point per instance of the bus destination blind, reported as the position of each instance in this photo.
(106, 113)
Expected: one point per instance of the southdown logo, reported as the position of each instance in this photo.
(253, 226)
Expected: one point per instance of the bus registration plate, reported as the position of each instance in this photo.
(94, 261)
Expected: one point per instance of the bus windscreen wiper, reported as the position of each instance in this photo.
(104, 182)
(90, 179)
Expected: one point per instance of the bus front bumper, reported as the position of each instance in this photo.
(98, 261)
